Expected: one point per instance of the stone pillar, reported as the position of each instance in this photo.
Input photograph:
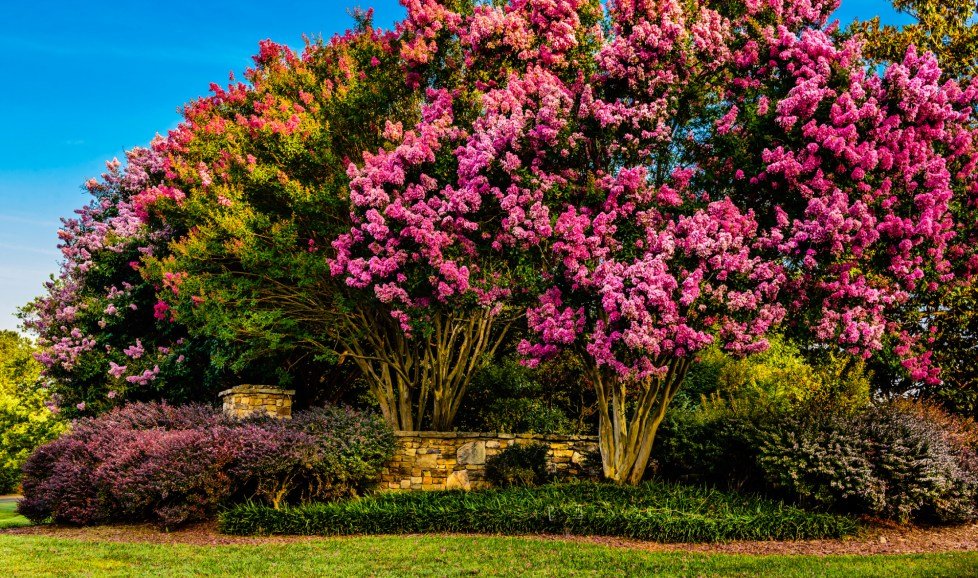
(246, 400)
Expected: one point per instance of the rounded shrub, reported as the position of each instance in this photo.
(717, 444)
(897, 460)
(518, 465)
(506, 396)
(169, 465)
(320, 454)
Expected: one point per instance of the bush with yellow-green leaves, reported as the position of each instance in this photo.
(25, 420)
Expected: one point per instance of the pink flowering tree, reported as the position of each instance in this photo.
(262, 164)
(104, 337)
(434, 240)
(689, 173)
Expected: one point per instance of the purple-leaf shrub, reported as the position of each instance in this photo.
(170, 477)
(321, 454)
(171, 465)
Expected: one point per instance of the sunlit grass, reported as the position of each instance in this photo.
(438, 556)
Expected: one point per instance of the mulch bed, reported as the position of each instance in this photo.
(879, 539)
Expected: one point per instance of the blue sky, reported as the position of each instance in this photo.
(81, 82)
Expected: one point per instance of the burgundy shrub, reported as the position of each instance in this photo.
(172, 465)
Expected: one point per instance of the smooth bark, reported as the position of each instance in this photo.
(629, 416)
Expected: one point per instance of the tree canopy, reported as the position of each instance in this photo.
(636, 181)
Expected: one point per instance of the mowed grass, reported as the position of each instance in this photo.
(437, 556)
(9, 517)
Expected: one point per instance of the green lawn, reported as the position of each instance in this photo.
(437, 556)
(9, 517)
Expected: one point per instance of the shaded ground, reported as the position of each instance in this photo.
(876, 540)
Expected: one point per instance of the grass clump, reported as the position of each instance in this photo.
(651, 511)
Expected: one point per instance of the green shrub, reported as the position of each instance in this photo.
(652, 511)
(25, 421)
(779, 378)
(524, 465)
(508, 397)
(720, 418)
(524, 415)
(717, 443)
(898, 461)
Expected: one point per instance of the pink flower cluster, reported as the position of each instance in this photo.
(715, 170)
(73, 319)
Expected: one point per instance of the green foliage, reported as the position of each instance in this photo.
(900, 460)
(727, 405)
(717, 443)
(253, 246)
(518, 465)
(948, 28)
(895, 461)
(780, 377)
(506, 396)
(25, 421)
(651, 511)
(346, 451)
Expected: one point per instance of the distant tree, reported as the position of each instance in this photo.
(946, 28)
(26, 420)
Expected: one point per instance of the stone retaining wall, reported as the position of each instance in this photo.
(457, 460)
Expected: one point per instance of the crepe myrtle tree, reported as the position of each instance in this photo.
(101, 334)
(674, 174)
(262, 164)
(266, 210)
(949, 29)
(432, 237)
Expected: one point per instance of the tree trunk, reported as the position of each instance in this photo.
(422, 380)
(418, 381)
(458, 346)
(630, 413)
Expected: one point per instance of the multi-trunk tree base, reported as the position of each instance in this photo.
(630, 413)
(420, 380)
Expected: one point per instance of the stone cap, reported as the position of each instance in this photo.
(247, 388)
(494, 435)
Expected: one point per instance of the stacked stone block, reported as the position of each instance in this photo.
(457, 460)
(246, 400)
